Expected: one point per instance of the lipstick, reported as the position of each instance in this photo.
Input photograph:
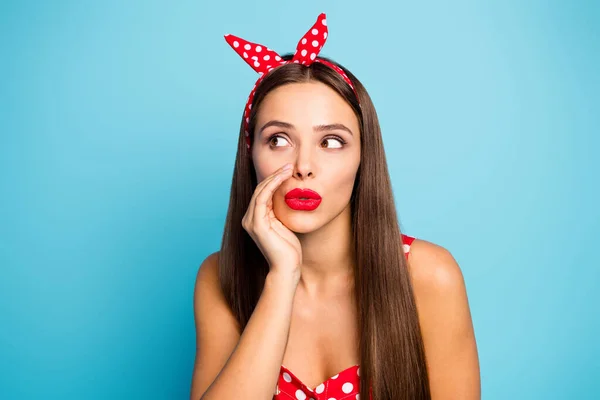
(302, 199)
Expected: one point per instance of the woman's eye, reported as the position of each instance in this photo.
(277, 139)
(339, 142)
(330, 143)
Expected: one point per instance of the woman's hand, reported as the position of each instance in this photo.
(279, 245)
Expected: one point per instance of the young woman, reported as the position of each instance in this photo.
(315, 293)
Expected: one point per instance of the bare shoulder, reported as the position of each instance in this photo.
(434, 270)
(217, 331)
(209, 302)
(208, 272)
(438, 286)
(445, 320)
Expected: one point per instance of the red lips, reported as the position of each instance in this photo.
(302, 193)
(302, 199)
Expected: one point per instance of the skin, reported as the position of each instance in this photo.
(323, 333)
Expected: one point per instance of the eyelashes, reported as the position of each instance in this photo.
(334, 137)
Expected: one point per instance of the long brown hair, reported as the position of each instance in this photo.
(392, 357)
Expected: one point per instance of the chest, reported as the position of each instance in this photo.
(323, 339)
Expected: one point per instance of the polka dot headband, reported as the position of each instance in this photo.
(263, 60)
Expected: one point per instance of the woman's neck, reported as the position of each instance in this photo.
(328, 256)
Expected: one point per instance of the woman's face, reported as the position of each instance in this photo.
(312, 127)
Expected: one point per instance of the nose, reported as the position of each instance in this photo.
(302, 175)
(303, 171)
(304, 165)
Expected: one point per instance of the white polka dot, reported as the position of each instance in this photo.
(260, 73)
(347, 387)
(247, 46)
(277, 58)
(303, 40)
(287, 377)
(358, 371)
(335, 376)
(300, 395)
(256, 64)
(315, 31)
(303, 52)
(236, 44)
(406, 248)
(255, 58)
(248, 120)
(319, 389)
(245, 55)
(313, 56)
(267, 57)
(296, 61)
(324, 35)
(315, 43)
(250, 106)
(324, 22)
(258, 49)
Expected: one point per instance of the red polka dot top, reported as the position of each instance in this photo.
(342, 386)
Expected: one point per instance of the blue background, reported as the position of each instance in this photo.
(119, 124)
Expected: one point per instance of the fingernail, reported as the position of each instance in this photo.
(287, 166)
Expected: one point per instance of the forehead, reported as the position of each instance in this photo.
(307, 103)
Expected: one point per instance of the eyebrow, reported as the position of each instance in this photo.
(332, 127)
(317, 128)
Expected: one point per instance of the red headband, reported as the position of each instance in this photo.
(263, 60)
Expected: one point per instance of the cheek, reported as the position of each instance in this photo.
(341, 183)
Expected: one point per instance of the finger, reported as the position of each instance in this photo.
(266, 194)
(265, 182)
(269, 178)
(258, 190)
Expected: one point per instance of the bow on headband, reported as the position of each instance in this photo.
(263, 60)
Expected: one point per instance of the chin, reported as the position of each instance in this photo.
(299, 221)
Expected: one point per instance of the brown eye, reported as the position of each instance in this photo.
(334, 139)
(274, 140)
